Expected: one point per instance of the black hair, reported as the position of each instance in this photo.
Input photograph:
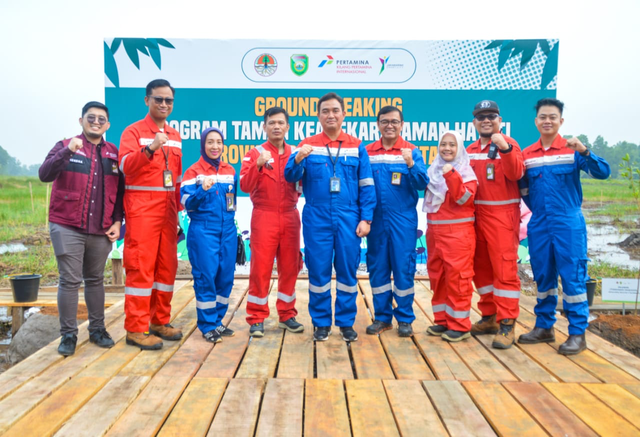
(94, 104)
(330, 96)
(275, 110)
(388, 109)
(549, 102)
(159, 83)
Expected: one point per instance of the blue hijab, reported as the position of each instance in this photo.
(203, 140)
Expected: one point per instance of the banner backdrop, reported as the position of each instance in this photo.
(230, 83)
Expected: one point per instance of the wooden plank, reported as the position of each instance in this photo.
(633, 388)
(481, 361)
(325, 409)
(296, 358)
(332, 358)
(238, 411)
(17, 319)
(282, 395)
(456, 409)
(502, 411)
(619, 400)
(412, 409)
(118, 271)
(558, 365)
(547, 410)
(97, 415)
(369, 409)
(194, 412)
(602, 419)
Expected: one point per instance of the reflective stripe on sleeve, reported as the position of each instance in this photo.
(184, 199)
(364, 182)
(122, 163)
(464, 198)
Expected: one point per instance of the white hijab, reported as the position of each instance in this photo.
(437, 188)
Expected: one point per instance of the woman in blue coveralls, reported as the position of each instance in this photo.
(208, 193)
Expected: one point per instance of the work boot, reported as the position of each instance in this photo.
(166, 332)
(506, 336)
(101, 338)
(378, 327)
(225, 332)
(404, 329)
(257, 330)
(322, 333)
(144, 341)
(292, 325)
(538, 335)
(484, 326)
(348, 333)
(574, 345)
(68, 345)
(436, 330)
(212, 336)
(454, 336)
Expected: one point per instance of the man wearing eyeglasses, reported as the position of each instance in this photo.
(275, 226)
(151, 160)
(497, 162)
(398, 172)
(339, 202)
(85, 216)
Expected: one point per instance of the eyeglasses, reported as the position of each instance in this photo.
(394, 123)
(483, 117)
(102, 120)
(159, 100)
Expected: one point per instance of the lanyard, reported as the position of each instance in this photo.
(166, 158)
(334, 162)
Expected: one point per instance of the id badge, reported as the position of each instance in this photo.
(334, 185)
(230, 205)
(396, 178)
(167, 179)
(491, 172)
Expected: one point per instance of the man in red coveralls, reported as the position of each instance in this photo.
(497, 162)
(151, 160)
(275, 226)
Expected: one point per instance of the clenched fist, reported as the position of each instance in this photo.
(75, 144)
(575, 144)
(263, 158)
(304, 151)
(499, 141)
(207, 183)
(446, 168)
(408, 158)
(159, 141)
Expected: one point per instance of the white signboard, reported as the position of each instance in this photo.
(619, 290)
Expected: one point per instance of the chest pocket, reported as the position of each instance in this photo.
(349, 168)
(318, 167)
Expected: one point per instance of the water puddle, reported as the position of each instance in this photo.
(12, 248)
(601, 243)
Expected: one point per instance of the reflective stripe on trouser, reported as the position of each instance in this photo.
(450, 267)
(274, 234)
(212, 250)
(151, 261)
(496, 260)
(390, 248)
(329, 235)
(558, 246)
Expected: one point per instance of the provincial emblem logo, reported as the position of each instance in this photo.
(299, 64)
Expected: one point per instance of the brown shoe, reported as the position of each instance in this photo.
(574, 345)
(166, 332)
(538, 335)
(506, 336)
(486, 325)
(144, 341)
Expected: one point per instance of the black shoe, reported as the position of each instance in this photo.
(453, 336)
(322, 333)
(101, 338)
(68, 345)
(257, 330)
(349, 334)
(405, 329)
(292, 325)
(574, 345)
(436, 330)
(378, 327)
(538, 335)
(212, 336)
(225, 332)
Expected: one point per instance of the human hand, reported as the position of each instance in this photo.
(159, 141)
(446, 168)
(304, 151)
(363, 229)
(499, 141)
(575, 144)
(75, 144)
(263, 158)
(408, 157)
(207, 183)
(113, 233)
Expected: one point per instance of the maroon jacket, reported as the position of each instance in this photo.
(74, 178)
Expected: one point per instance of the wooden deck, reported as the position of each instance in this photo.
(284, 385)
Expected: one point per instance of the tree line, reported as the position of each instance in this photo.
(10, 166)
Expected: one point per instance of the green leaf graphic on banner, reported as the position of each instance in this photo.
(510, 49)
(110, 67)
(115, 45)
(154, 51)
(550, 67)
(164, 42)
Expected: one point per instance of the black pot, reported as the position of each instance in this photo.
(591, 290)
(25, 287)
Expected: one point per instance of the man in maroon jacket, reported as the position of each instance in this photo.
(85, 215)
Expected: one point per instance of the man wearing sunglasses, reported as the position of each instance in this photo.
(151, 160)
(85, 215)
(497, 162)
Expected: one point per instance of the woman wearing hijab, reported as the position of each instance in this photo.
(451, 237)
(208, 193)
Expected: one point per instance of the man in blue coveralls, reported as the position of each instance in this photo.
(339, 200)
(557, 231)
(398, 172)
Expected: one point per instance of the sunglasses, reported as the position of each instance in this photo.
(483, 117)
(102, 120)
(159, 100)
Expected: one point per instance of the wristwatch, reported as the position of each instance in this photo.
(368, 222)
(586, 151)
(148, 149)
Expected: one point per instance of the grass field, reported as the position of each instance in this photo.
(610, 190)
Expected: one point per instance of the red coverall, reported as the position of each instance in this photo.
(275, 233)
(151, 214)
(497, 228)
(451, 241)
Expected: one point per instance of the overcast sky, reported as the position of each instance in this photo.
(51, 53)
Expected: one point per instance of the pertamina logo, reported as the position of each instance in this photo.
(327, 61)
(265, 64)
(299, 64)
